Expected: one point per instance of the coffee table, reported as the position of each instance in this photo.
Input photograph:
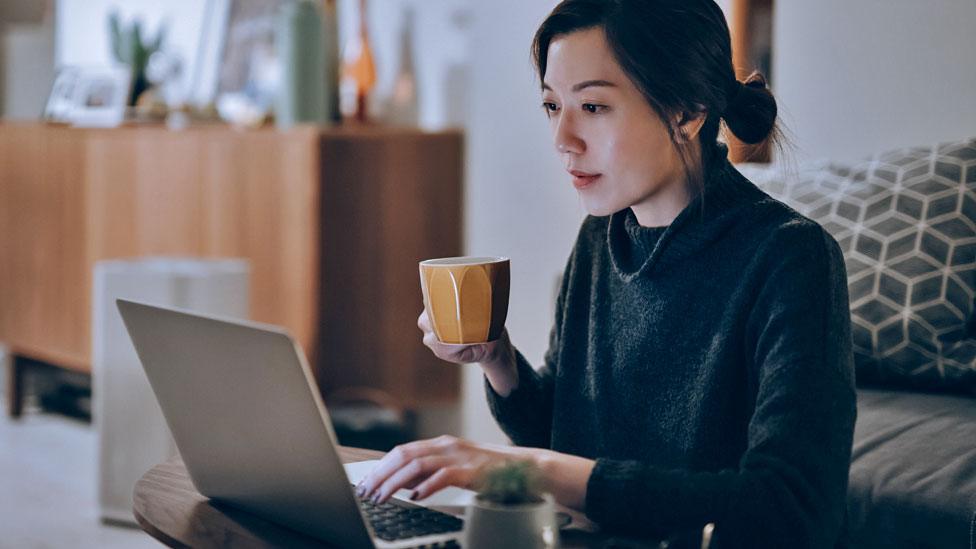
(170, 509)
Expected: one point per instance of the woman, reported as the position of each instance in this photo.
(699, 369)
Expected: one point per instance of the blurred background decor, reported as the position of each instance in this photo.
(60, 100)
(27, 44)
(131, 48)
(89, 96)
(358, 71)
(219, 46)
(303, 90)
(249, 72)
(403, 106)
(364, 417)
(100, 96)
(167, 98)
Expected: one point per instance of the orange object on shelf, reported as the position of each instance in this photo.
(358, 68)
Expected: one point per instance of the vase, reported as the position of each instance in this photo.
(358, 71)
(521, 526)
(403, 108)
(301, 95)
(330, 38)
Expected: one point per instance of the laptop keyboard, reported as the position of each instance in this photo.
(393, 522)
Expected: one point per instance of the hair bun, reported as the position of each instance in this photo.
(751, 110)
(756, 80)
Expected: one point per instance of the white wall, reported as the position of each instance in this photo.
(857, 77)
(726, 6)
(518, 202)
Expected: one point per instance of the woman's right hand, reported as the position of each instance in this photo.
(496, 358)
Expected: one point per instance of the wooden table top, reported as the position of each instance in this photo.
(170, 509)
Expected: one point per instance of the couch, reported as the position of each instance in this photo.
(906, 221)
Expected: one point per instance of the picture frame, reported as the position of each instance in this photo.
(248, 58)
(89, 97)
(101, 96)
(60, 100)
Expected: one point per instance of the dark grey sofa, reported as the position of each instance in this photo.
(913, 471)
(906, 222)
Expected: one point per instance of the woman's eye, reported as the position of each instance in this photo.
(549, 107)
(593, 108)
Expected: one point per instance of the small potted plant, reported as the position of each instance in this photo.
(130, 48)
(511, 510)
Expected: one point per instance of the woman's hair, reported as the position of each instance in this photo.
(679, 55)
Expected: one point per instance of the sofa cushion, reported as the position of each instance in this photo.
(906, 221)
(913, 470)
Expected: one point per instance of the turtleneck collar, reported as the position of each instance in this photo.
(704, 219)
(642, 241)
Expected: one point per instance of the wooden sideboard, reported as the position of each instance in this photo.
(333, 223)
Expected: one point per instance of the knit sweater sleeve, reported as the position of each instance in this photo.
(525, 415)
(789, 488)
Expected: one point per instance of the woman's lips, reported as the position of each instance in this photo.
(582, 181)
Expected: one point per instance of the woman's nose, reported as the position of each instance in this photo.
(566, 137)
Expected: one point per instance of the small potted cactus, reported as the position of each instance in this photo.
(511, 510)
(130, 48)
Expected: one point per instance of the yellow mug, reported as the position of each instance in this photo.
(466, 297)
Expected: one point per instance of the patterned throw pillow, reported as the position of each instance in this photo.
(906, 221)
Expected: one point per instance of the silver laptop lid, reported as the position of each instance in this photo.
(247, 418)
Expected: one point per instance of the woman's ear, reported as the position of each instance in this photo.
(688, 124)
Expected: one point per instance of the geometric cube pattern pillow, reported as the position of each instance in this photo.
(906, 222)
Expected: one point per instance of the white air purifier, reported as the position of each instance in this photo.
(132, 433)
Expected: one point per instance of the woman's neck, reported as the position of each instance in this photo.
(663, 206)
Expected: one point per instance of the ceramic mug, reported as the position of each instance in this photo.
(466, 297)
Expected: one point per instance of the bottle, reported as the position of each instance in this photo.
(301, 95)
(330, 36)
(358, 71)
(403, 107)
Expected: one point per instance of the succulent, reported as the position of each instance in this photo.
(511, 483)
(129, 47)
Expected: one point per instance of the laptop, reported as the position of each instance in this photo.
(253, 432)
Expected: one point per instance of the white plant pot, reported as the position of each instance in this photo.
(523, 526)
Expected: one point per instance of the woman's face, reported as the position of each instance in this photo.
(613, 143)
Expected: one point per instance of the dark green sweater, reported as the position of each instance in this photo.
(706, 367)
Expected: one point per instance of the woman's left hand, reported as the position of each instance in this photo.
(430, 465)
